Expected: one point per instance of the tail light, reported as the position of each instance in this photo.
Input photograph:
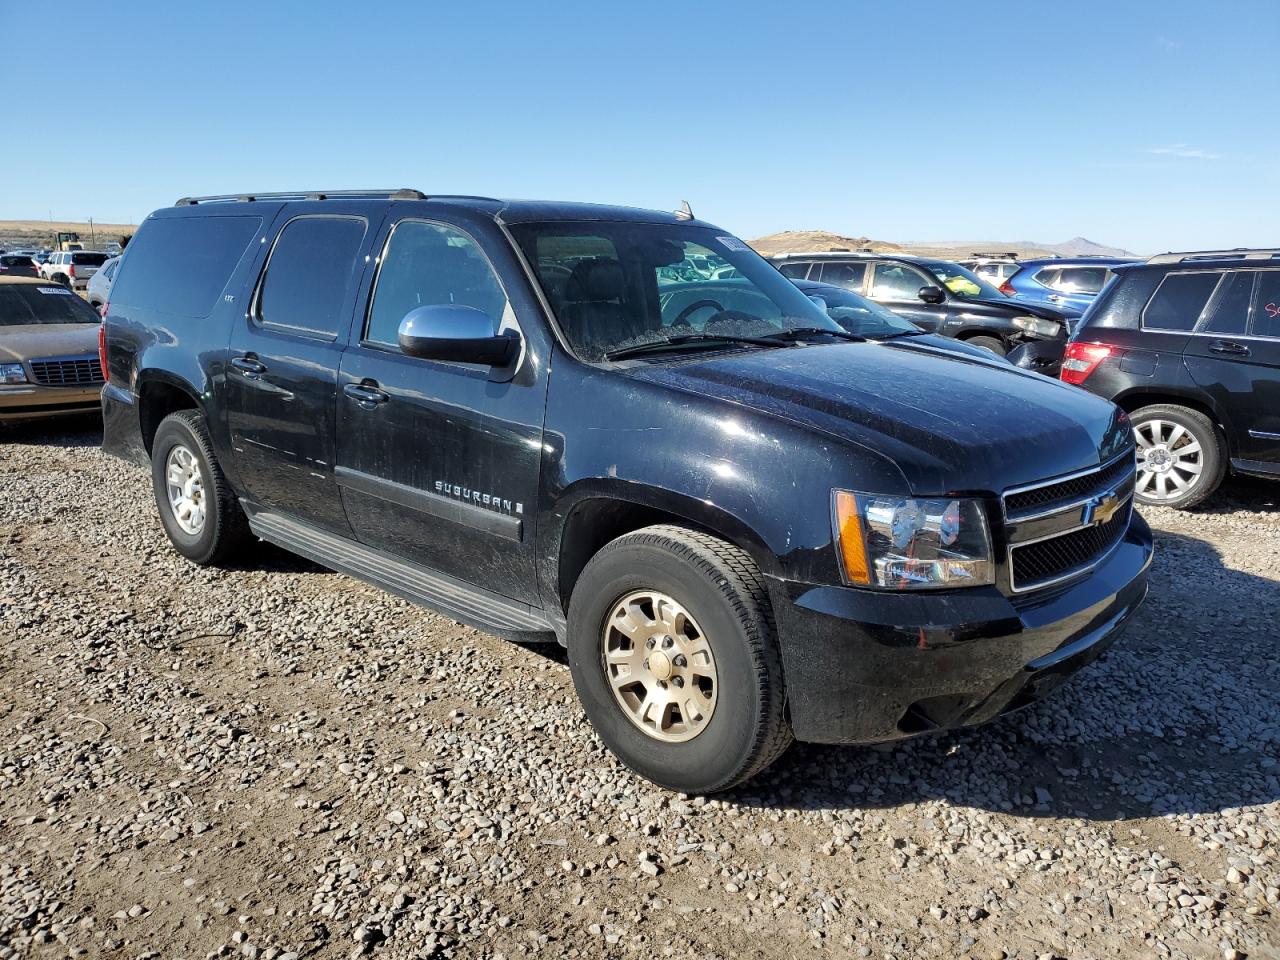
(71, 271)
(1081, 359)
(102, 344)
(1007, 289)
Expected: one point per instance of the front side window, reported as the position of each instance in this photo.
(897, 281)
(309, 273)
(847, 275)
(1266, 305)
(426, 264)
(610, 287)
(1179, 300)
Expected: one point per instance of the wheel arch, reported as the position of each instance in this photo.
(159, 394)
(1139, 397)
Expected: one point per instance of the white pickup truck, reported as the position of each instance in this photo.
(73, 268)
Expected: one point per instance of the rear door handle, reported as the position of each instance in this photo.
(1229, 347)
(366, 394)
(250, 366)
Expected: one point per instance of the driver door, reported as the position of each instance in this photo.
(897, 286)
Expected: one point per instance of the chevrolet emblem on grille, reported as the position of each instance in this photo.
(1100, 509)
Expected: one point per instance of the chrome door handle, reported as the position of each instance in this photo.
(366, 394)
(1229, 347)
(249, 366)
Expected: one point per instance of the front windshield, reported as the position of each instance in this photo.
(859, 315)
(962, 281)
(617, 285)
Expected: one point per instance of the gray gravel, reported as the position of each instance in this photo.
(278, 762)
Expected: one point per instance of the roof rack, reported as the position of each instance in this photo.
(995, 254)
(404, 193)
(1238, 253)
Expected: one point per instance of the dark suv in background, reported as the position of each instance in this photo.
(1189, 345)
(624, 431)
(936, 295)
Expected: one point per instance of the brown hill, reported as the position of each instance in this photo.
(815, 241)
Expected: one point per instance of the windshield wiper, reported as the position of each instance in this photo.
(655, 345)
(903, 333)
(799, 333)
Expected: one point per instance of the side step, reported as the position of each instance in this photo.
(460, 601)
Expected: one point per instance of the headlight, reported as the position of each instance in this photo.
(1041, 328)
(907, 544)
(12, 373)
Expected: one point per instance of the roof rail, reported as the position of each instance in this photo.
(1238, 253)
(404, 193)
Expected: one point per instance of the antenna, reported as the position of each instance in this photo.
(685, 212)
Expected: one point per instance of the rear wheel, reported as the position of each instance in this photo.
(1181, 460)
(673, 655)
(199, 511)
(994, 344)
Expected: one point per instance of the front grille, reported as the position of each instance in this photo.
(1059, 557)
(71, 372)
(1067, 491)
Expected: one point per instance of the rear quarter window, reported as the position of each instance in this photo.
(1179, 301)
(180, 265)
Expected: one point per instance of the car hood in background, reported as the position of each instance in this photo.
(35, 340)
(950, 423)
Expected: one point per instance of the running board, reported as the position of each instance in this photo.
(460, 601)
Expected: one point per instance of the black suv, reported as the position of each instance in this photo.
(626, 432)
(1189, 344)
(938, 296)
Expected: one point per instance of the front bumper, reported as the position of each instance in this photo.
(1040, 356)
(865, 666)
(33, 401)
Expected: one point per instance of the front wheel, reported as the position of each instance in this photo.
(674, 657)
(1181, 460)
(994, 344)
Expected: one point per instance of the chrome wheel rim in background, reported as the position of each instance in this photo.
(659, 666)
(184, 484)
(1170, 460)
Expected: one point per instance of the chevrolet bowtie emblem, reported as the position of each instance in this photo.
(1101, 508)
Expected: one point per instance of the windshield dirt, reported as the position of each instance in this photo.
(617, 285)
(962, 282)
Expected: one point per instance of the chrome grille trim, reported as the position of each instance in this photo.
(66, 371)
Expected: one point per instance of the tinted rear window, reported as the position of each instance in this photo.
(23, 303)
(89, 259)
(310, 271)
(12, 261)
(1179, 301)
(180, 265)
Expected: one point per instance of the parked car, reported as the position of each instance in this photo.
(73, 268)
(1067, 284)
(866, 318)
(937, 295)
(99, 288)
(17, 265)
(994, 269)
(49, 363)
(1189, 345)
(743, 521)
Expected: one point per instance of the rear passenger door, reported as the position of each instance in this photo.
(282, 374)
(851, 276)
(1235, 358)
(439, 461)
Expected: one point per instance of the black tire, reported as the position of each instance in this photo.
(63, 280)
(721, 588)
(1212, 456)
(994, 344)
(225, 528)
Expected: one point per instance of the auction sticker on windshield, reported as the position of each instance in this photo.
(733, 243)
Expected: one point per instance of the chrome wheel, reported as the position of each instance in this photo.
(185, 485)
(659, 666)
(1170, 460)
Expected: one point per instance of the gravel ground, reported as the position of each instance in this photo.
(279, 762)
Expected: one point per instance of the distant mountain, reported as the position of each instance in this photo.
(1080, 247)
(816, 241)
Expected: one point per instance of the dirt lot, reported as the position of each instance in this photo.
(278, 762)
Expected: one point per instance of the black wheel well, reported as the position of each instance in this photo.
(980, 332)
(156, 401)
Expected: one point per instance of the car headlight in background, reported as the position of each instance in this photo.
(1039, 327)
(12, 373)
(901, 543)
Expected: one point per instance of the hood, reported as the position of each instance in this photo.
(34, 341)
(950, 423)
(1015, 306)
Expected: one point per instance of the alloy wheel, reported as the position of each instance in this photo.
(1170, 460)
(659, 666)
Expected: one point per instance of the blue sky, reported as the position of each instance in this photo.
(1147, 125)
